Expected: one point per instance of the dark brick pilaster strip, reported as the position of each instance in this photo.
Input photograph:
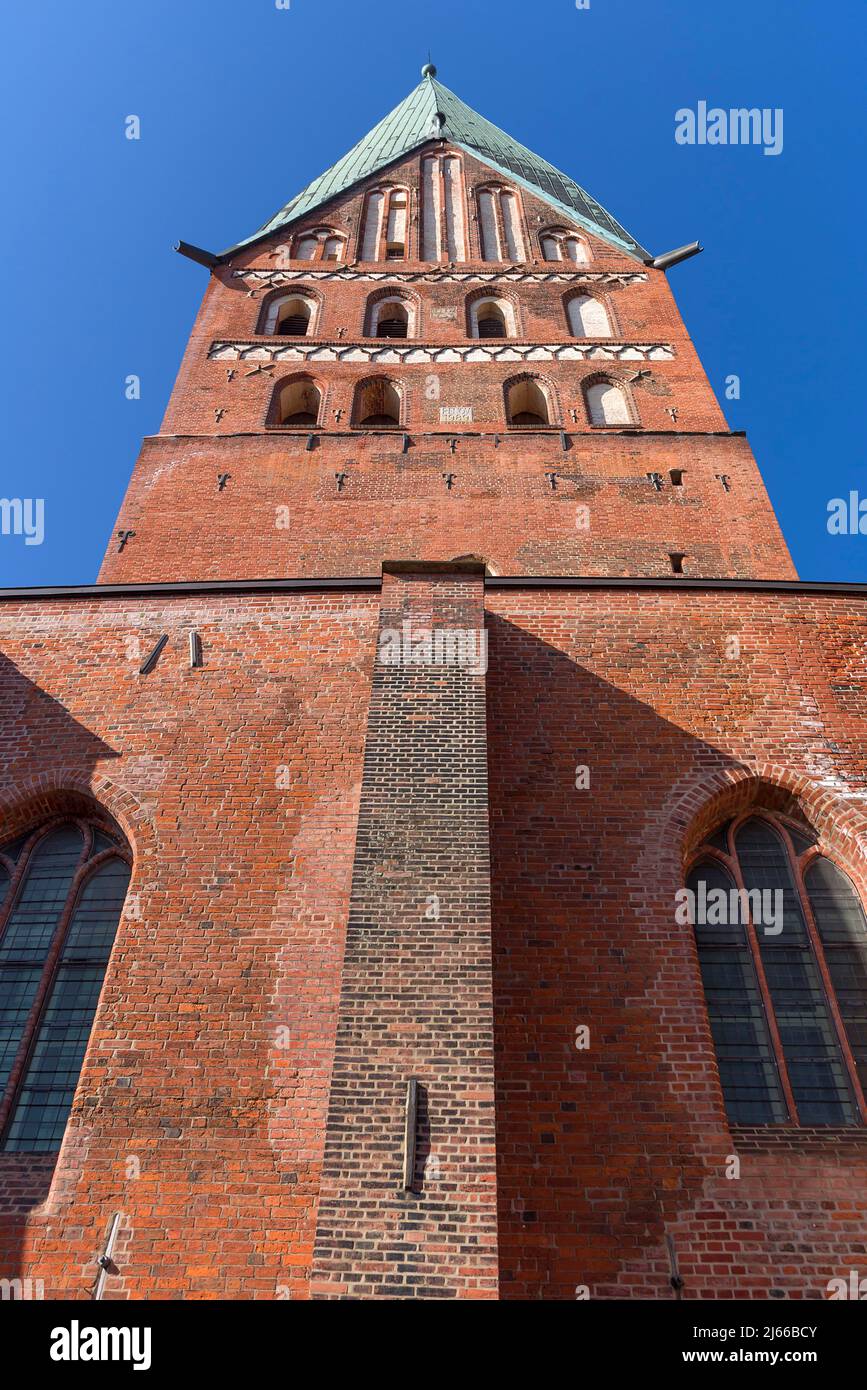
(416, 996)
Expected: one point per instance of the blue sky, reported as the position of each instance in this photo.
(242, 103)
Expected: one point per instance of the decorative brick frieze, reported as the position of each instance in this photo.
(415, 353)
(256, 278)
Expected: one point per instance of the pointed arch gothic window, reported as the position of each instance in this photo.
(61, 893)
(782, 945)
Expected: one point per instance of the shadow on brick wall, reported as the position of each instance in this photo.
(600, 1147)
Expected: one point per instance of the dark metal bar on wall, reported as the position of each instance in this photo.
(409, 1133)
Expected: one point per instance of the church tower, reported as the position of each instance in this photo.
(442, 346)
(446, 637)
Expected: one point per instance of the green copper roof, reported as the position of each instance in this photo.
(413, 123)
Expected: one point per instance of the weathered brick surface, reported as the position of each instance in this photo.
(244, 892)
(281, 513)
(202, 1102)
(604, 1152)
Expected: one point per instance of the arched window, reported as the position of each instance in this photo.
(391, 315)
(386, 225)
(297, 402)
(558, 244)
(489, 317)
(527, 403)
(322, 244)
(500, 231)
(588, 317)
(377, 404)
(289, 315)
(782, 944)
(61, 893)
(608, 404)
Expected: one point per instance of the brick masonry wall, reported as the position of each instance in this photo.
(201, 1108)
(602, 1153)
(282, 513)
(416, 994)
(244, 892)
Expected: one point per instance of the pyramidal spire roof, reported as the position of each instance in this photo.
(418, 120)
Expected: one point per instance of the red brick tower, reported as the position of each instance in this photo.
(480, 636)
(442, 346)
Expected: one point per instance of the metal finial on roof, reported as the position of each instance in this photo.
(429, 70)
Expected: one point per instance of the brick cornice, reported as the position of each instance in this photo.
(372, 583)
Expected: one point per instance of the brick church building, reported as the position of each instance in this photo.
(446, 636)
